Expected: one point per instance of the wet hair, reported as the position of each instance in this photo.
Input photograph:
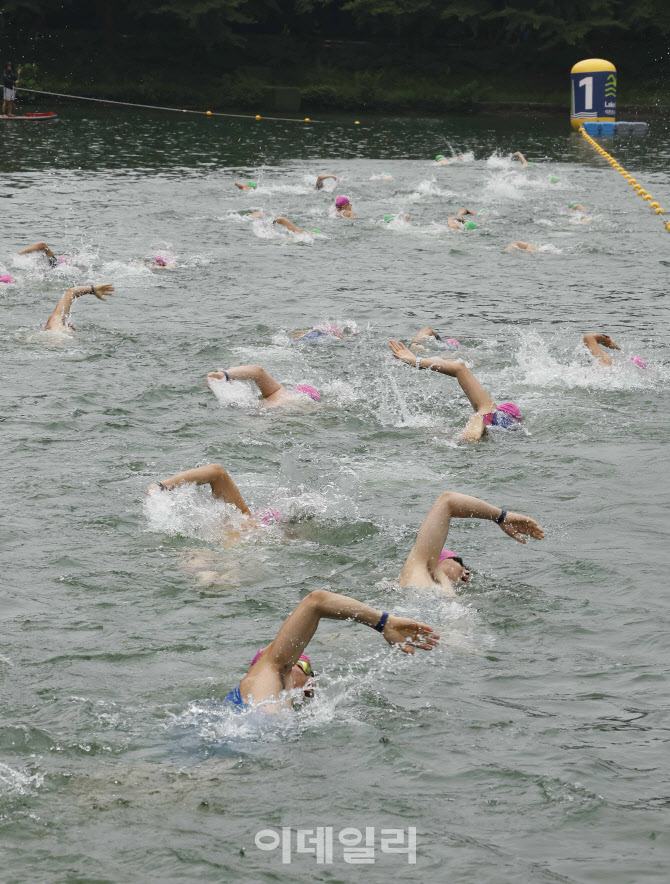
(460, 561)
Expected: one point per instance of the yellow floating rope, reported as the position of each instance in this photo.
(637, 188)
(179, 110)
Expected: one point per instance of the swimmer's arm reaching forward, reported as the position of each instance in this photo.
(58, 318)
(593, 342)
(214, 475)
(322, 178)
(416, 344)
(423, 559)
(481, 401)
(39, 247)
(262, 378)
(524, 162)
(288, 225)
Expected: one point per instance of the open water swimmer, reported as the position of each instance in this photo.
(487, 414)
(429, 564)
(272, 392)
(58, 321)
(428, 336)
(517, 155)
(322, 178)
(343, 207)
(44, 248)
(327, 330)
(520, 246)
(281, 669)
(250, 185)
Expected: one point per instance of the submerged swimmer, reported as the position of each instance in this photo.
(428, 564)
(43, 247)
(389, 218)
(273, 393)
(522, 246)
(283, 667)
(441, 160)
(161, 263)
(343, 207)
(250, 185)
(223, 488)
(321, 179)
(427, 335)
(595, 343)
(487, 413)
(460, 221)
(328, 330)
(59, 318)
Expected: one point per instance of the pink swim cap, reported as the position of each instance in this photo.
(453, 342)
(447, 554)
(312, 392)
(269, 517)
(7, 277)
(161, 261)
(342, 201)
(511, 409)
(639, 362)
(260, 651)
(62, 260)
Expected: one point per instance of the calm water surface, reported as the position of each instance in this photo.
(533, 746)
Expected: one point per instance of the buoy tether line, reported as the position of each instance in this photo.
(178, 110)
(637, 188)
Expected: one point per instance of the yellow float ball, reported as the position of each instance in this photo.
(209, 113)
(667, 226)
(659, 212)
(356, 123)
(307, 120)
(653, 205)
(258, 116)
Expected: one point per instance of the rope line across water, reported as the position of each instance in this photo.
(179, 110)
(637, 188)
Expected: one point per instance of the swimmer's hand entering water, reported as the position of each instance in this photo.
(102, 292)
(515, 525)
(401, 352)
(407, 634)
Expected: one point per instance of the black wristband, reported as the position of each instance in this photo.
(501, 518)
(161, 486)
(92, 288)
(382, 621)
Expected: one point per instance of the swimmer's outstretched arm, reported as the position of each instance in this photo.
(262, 378)
(288, 224)
(58, 318)
(322, 178)
(38, 247)
(520, 157)
(434, 529)
(455, 222)
(594, 342)
(214, 475)
(464, 211)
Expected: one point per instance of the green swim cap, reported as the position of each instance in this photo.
(469, 225)
(439, 157)
(529, 163)
(252, 184)
(388, 218)
(554, 179)
(576, 203)
(315, 230)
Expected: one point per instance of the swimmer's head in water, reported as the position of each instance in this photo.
(315, 230)
(573, 204)
(8, 278)
(453, 341)
(554, 179)
(439, 157)
(639, 362)
(312, 392)
(269, 517)
(252, 185)
(511, 409)
(302, 673)
(161, 261)
(342, 201)
(469, 225)
(452, 567)
(388, 218)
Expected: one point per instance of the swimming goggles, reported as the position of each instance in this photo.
(306, 668)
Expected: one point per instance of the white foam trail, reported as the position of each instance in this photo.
(15, 782)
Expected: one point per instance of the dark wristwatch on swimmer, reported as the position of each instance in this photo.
(501, 518)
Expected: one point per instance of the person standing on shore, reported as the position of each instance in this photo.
(10, 78)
